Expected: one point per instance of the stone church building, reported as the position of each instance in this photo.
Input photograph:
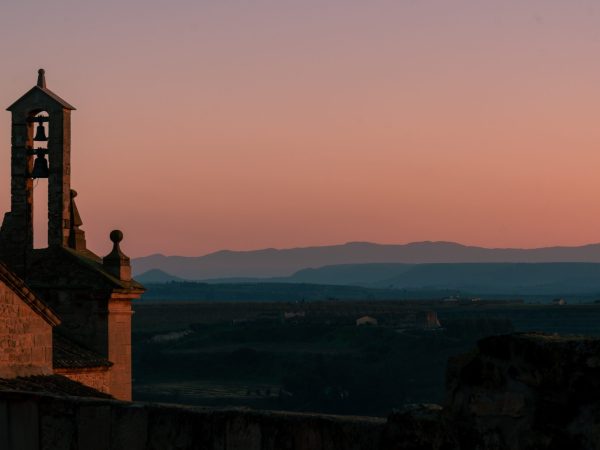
(63, 309)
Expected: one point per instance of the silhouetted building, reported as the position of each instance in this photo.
(85, 298)
(366, 320)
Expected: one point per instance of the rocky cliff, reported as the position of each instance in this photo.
(526, 391)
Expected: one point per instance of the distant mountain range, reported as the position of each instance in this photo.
(268, 263)
(501, 280)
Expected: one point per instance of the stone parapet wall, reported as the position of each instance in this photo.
(31, 421)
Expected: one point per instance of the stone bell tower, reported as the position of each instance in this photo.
(92, 295)
(41, 127)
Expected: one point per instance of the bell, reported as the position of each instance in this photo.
(40, 167)
(40, 133)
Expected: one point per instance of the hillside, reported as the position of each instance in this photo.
(156, 276)
(400, 281)
(477, 278)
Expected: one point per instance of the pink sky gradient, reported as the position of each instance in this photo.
(204, 125)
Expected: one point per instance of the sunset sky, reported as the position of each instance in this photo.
(205, 125)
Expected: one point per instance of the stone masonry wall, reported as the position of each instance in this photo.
(25, 338)
(119, 347)
(83, 313)
(98, 379)
(44, 422)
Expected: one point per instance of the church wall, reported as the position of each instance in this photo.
(25, 338)
(119, 346)
(84, 315)
(97, 378)
(102, 323)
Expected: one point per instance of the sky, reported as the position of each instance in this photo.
(209, 125)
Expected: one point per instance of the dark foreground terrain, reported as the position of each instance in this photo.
(526, 391)
(249, 354)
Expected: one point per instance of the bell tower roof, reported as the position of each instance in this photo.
(40, 88)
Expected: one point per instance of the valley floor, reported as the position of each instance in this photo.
(247, 354)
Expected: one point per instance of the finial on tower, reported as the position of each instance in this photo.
(116, 262)
(41, 78)
(116, 236)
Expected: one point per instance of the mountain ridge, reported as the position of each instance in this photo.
(271, 262)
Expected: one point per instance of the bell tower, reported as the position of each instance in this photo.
(91, 295)
(41, 128)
